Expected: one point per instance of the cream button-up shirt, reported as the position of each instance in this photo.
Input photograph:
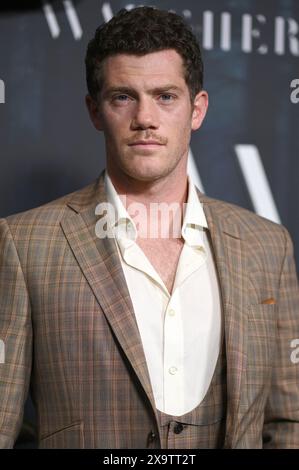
(180, 332)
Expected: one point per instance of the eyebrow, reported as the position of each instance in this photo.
(132, 91)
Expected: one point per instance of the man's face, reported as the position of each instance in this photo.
(145, 112)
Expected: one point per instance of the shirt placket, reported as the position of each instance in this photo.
(173, 371)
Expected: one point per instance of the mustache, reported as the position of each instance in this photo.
(161, 140)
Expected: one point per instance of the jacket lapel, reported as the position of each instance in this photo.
(99, 261)
(228, 246)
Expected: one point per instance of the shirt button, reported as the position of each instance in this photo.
(171, 312)
(178, 428)
(172, 370)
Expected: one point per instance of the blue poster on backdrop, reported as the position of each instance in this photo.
(246, 151)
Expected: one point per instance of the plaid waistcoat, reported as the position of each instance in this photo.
(204, 426)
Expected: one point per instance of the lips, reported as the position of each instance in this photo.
(146, 142)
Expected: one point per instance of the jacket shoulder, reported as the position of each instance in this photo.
(250, 224)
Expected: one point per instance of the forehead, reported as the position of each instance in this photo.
(153, 68)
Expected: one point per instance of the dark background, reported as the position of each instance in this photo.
(48, 146)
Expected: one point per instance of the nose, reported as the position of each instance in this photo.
(145, 115)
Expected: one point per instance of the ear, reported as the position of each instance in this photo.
(200, 107)
(94, 113)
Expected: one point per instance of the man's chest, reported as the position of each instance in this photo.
(164, 255)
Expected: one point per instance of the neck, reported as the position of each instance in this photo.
(167, 189)
(170, 190)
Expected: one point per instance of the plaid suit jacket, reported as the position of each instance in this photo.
(69, 330)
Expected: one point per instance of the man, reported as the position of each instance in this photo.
(134, 339)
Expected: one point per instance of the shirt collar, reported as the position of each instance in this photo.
(121, 224)
(194, 221)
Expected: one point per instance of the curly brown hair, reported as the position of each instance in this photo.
(140, 31)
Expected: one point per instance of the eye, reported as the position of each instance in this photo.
(120, 98)
(166, 97)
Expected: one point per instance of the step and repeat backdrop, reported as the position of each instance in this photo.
(247, 151)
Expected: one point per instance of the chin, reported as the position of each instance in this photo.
(148, 173)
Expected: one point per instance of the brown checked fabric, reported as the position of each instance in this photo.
(69, 329)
